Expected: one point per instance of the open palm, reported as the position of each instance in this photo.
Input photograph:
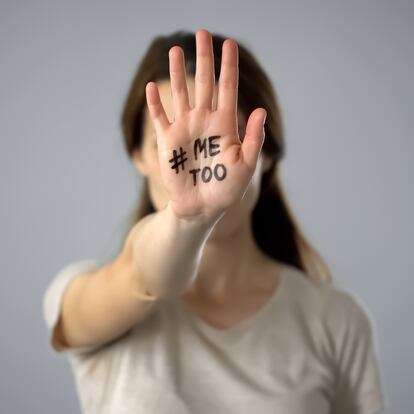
(205, 166)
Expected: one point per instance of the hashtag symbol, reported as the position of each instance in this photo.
(178, 159)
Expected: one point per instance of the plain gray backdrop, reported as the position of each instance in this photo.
(343, 75)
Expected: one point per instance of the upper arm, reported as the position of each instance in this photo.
(88, 305)
(66, 278)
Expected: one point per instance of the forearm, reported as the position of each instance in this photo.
(160, 256)
(166, 251)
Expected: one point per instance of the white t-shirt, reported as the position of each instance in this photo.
(310, 349)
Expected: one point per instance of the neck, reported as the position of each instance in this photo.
(231, 262)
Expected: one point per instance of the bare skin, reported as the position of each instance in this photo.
(201, 247)
(234, 277)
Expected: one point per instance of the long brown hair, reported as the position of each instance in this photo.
(275, 229)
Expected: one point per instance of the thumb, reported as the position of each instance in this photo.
(254, 137)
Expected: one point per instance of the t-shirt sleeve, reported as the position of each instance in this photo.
(358, 383)
(52, 303)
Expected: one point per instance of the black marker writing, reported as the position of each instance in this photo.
(178, 159)
(212, 145)
(200, 145)
(207, 173)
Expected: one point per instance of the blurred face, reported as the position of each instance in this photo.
(147, 163)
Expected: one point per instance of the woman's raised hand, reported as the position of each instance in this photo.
(205, 167)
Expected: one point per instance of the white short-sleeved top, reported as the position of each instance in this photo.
(310, 349)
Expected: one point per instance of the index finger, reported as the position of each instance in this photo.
(155, 107)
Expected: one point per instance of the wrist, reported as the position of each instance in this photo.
(206, 221)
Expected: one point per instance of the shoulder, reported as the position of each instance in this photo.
(335, 307)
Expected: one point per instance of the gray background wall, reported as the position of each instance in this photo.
(343, 73)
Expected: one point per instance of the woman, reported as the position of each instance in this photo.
(216, 303)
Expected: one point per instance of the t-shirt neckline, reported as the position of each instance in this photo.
(245, 323)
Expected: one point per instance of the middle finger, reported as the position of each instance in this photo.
(204, 77)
